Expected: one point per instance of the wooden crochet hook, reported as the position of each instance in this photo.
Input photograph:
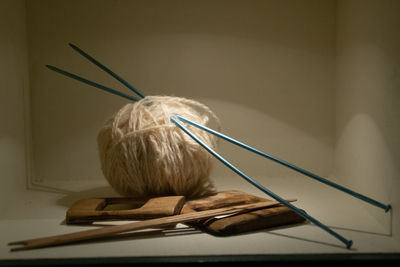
(152, 223)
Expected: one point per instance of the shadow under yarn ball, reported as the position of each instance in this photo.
(143, 153)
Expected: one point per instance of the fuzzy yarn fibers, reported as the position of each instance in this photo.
(143, 153)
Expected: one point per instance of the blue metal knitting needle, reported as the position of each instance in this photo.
(291, 166)
(102, 87)
(101, 66)
(347, 242)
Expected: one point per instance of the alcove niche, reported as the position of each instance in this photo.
(315, 83)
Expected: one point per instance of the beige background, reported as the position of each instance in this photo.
(315, 83)
(265, 67)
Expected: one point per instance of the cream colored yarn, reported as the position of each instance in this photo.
(144, 154)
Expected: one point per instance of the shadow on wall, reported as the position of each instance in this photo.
(364, 152)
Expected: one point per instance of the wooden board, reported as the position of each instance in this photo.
(94, 209)
(240, 223)
(90, 210)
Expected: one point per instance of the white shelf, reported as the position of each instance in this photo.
(42, 214)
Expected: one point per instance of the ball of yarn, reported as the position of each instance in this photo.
(143, 153)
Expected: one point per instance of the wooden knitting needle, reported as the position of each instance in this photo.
(152, 223)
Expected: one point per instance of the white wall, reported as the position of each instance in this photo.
(266, 68)
(282, 75)
(367, 152)
(13, 79)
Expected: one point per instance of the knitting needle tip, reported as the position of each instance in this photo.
(388, 207)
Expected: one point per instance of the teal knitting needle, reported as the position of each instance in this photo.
(102, 87)
(289, 165)
(104, 68)
(347, 242)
